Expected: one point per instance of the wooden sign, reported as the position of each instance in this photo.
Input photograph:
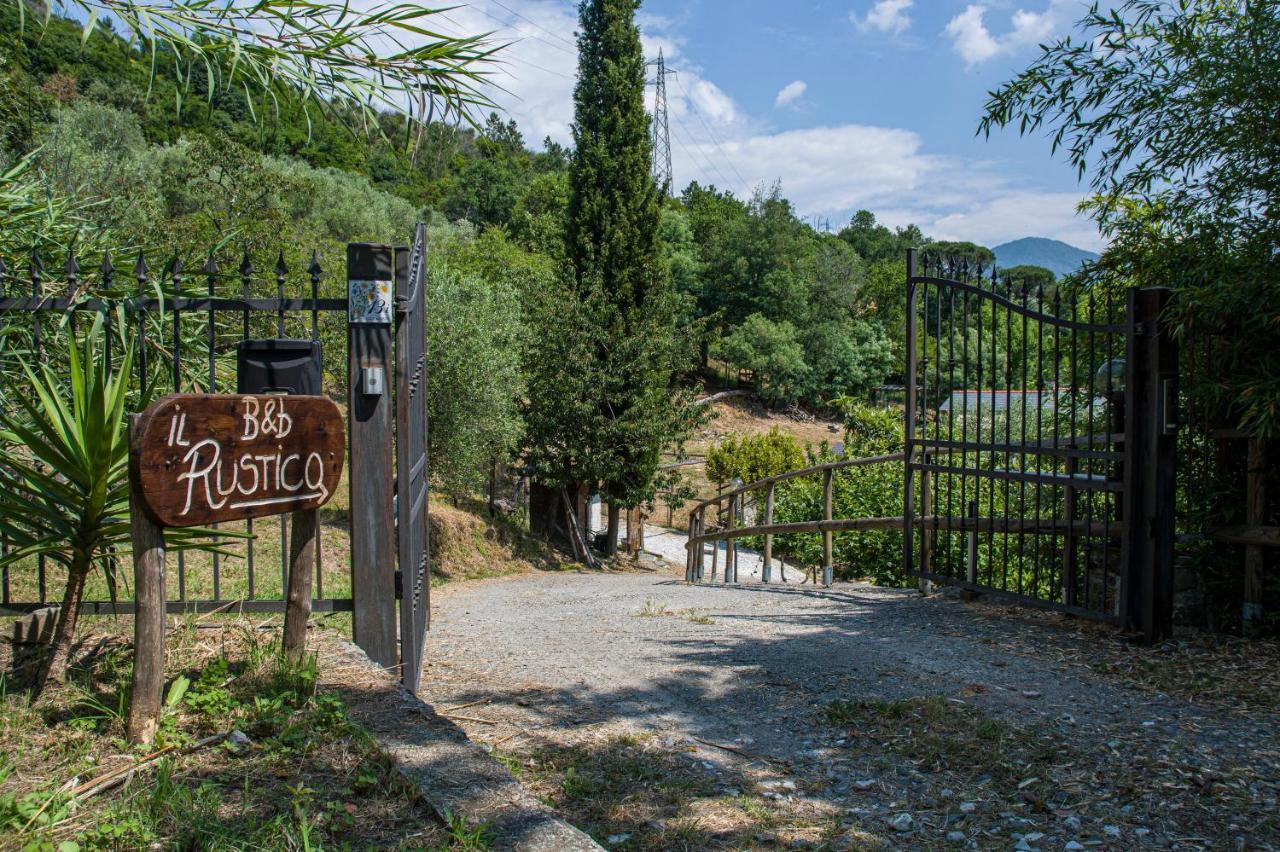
(197, 459)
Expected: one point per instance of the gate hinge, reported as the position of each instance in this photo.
(399, 584)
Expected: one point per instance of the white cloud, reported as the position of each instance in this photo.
(1017, 214)
(827, 171)
(976, 44)
(970, 36)
(790, 93)
(886, 16)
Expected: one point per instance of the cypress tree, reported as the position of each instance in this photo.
(611, 240)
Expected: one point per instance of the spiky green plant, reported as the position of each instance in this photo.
(64, 475)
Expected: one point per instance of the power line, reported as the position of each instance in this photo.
(507, 25)
(533, 23)
(714, 139)
(706, 162)
(511, 57)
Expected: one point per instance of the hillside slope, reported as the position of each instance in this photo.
(1059, 257)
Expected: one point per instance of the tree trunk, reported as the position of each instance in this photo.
(64, 632)
(611, 537)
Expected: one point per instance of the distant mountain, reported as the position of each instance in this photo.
(1055, 255)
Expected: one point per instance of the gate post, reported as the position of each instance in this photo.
(373, 556)
(1150, 458)
(828, 571)
(909, 425)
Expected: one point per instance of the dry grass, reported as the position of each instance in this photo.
(1225, 673)
(742, 416)
(1044, 774)
(466, 545)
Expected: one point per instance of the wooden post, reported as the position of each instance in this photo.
(766, 572)
(1255, 516)
(828, 571)
(731, 545)
(715, 550)
(303, 540)
(700, 568)
(148, 620)
(493, 485)
(373, 538)
(688, 550)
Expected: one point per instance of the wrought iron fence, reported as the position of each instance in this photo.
(186, 329)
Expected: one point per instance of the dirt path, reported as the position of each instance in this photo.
(793, 717)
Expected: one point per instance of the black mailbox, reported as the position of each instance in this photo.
(278, 366)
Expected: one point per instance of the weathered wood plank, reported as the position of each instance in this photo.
(373, 543)
(200, 459)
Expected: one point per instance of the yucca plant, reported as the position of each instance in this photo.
(64, 476)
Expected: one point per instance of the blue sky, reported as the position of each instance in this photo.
(861, 103)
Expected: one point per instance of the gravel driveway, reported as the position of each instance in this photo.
(739, 682)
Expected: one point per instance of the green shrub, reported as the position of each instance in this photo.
(754, 457)
(868, 430)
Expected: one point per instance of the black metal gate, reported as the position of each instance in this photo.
(412, 527)
(1039, 443)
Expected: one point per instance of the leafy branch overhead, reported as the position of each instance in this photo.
(1159, 101)
(385, 56)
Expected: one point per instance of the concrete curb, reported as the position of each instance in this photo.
(455, 775)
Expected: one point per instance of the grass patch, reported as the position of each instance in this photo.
(650, 797)
(945, 736)
(305, 778)
(656, 609)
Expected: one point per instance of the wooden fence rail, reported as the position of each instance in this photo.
(734, 503)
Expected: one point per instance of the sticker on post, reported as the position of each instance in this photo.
(369, 302)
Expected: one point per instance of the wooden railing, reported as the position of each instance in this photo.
(700, 533)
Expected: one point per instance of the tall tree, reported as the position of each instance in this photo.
(613, 251)
(1169, 109)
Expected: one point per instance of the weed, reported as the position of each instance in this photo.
(759, 814)
(466, 837)
(576, 786)
(94, 711)
(310, 779)
(37, 810)
(651, 609)
(512, 761)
